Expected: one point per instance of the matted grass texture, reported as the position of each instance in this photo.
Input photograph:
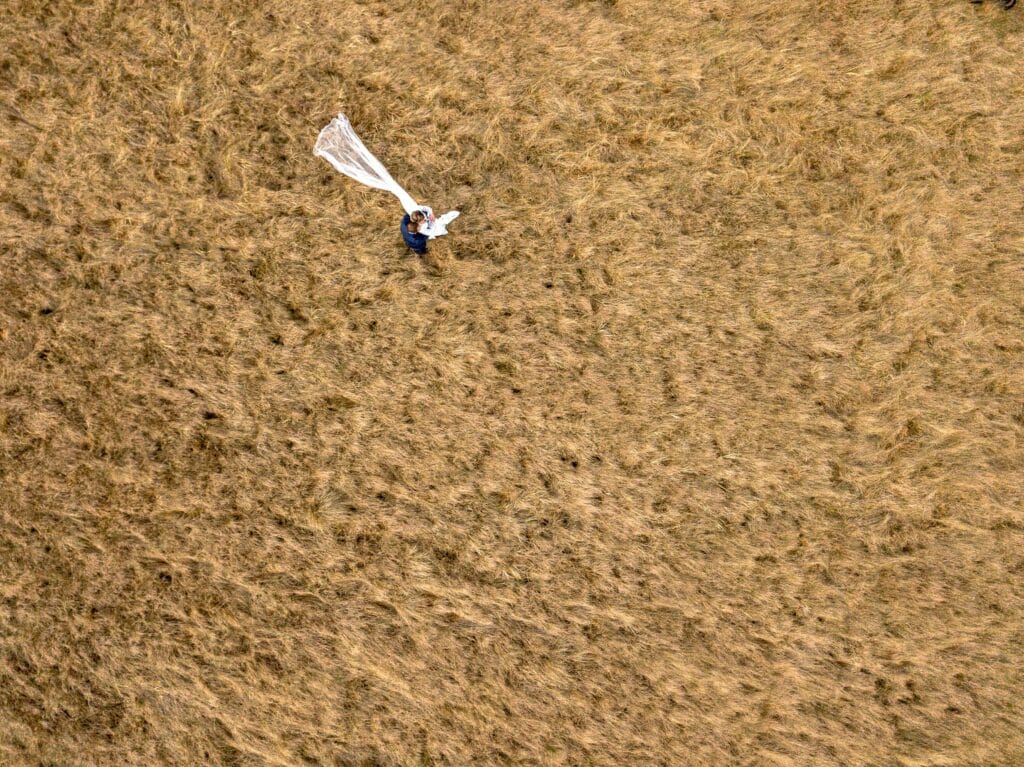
(698, 442)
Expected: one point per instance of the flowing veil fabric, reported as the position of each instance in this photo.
(342, 148)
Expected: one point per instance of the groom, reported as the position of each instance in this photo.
(411, 224)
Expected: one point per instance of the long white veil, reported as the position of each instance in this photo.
(342, 148)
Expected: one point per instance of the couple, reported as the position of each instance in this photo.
(422, 225)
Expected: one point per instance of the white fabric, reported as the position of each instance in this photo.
(342, 148)
(436, 226)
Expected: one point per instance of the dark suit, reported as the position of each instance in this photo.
(416, 241)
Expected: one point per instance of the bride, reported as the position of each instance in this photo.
(343, 149)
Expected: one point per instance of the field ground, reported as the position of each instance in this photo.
(699, 442)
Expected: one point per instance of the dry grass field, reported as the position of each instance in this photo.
(700, 441)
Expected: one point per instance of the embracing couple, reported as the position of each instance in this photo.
(422, 225)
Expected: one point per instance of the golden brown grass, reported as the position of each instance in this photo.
(699, 442)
